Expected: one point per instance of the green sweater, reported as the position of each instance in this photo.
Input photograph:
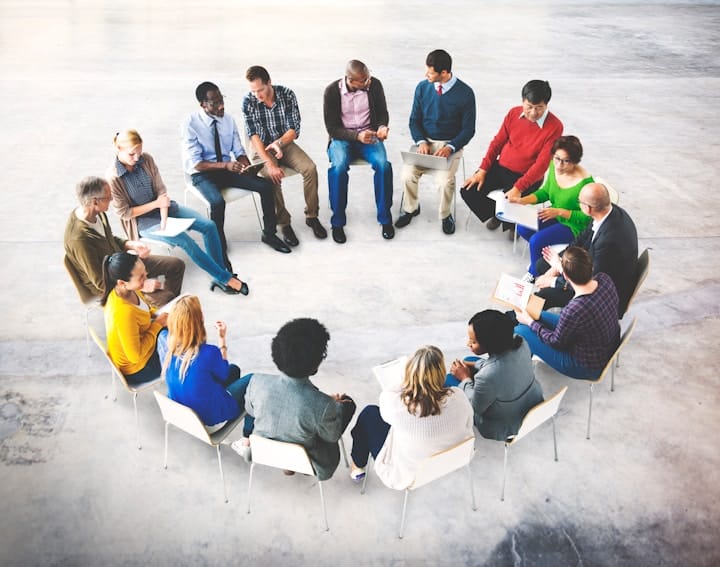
(564, 198)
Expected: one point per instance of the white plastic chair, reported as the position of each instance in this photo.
(286, 456)
(88, 300)
(533, 419)
(643, 268)
(434, 467)
(188, 421)
(115, 374)
(230, 194)
(610, 366)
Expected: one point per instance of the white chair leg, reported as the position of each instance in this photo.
(322, 505)
(167, 425)
(222, 476)
(589, 412)
(612, 373)
(113, 386)
(402, 517)
(344, 453)
(252, 467)
(87, 330)
(257, 212)
(137, 421)
(554, 438)
(502, 492)
(472, 487)
(515, 239)
(367, 474)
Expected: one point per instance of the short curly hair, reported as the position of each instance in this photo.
(299, 347)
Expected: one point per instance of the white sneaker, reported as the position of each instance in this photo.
(357, 473)
(528, 277)
(241, 449)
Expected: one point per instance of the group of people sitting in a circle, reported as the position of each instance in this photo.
(434, 406)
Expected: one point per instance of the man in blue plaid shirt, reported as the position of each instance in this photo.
(272, 123)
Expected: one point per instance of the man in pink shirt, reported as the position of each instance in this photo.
(356, 119)
(518, 155)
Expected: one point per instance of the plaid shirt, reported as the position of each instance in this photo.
(588, 327)
(271, 123)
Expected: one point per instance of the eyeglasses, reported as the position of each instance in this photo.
(364, 82)
(215, 102)
(557, 159)
(102, 198)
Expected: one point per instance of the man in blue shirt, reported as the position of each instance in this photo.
(209, 137)
(442, 121)
(272, 123)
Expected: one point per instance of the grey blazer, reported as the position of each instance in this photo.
(294, 410)
(502, 391)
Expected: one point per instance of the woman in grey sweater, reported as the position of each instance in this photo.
(502, 387)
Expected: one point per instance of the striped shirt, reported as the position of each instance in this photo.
(140, 190)
(588, 327)
(271, 123)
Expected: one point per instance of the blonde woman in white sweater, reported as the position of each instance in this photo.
(420, 419)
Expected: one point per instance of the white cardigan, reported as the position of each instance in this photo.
(412, 439)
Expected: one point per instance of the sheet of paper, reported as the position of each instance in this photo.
(173, 227)
(514, 291)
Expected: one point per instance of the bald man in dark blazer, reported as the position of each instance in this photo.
(611, 240)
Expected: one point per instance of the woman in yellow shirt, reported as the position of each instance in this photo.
(131, 324)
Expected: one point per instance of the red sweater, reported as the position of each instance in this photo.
(523, 146)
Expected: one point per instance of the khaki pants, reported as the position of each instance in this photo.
(295, 158)
(444, 181)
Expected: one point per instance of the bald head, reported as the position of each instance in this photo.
(355, 67)
(595, 196)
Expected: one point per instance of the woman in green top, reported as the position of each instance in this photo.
(563, 220)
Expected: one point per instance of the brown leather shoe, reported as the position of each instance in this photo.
(318, 229)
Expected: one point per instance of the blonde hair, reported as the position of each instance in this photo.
(127, 138)
(186, 333)
(423, 388)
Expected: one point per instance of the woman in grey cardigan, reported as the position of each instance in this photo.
(502, 387)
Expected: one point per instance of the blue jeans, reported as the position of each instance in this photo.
(549, 233)
(237, 389)
(561, 361)
(211, 261)
(152, 369)
(341, 153)
(209, 184)
(368, 435)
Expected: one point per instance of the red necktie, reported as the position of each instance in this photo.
(439, 90)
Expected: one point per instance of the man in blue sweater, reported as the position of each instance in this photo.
(442, 121)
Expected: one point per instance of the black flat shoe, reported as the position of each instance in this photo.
(405, 218)
(338, 234)
(388, 232)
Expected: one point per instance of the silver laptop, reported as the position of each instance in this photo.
(427, 160)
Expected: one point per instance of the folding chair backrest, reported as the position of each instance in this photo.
(103, 348)
(281, 455)
(444, 462)
(182, 417)
(539, 414)
(643, 267)
(624, 338)
(86, 296)
(614, 195)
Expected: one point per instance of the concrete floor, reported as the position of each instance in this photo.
(637, 83)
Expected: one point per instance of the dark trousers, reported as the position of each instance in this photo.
(558, 296)
(209, 184)
(368, 435)
(498, 177)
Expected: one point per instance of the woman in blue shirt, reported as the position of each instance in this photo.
(198, 375)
